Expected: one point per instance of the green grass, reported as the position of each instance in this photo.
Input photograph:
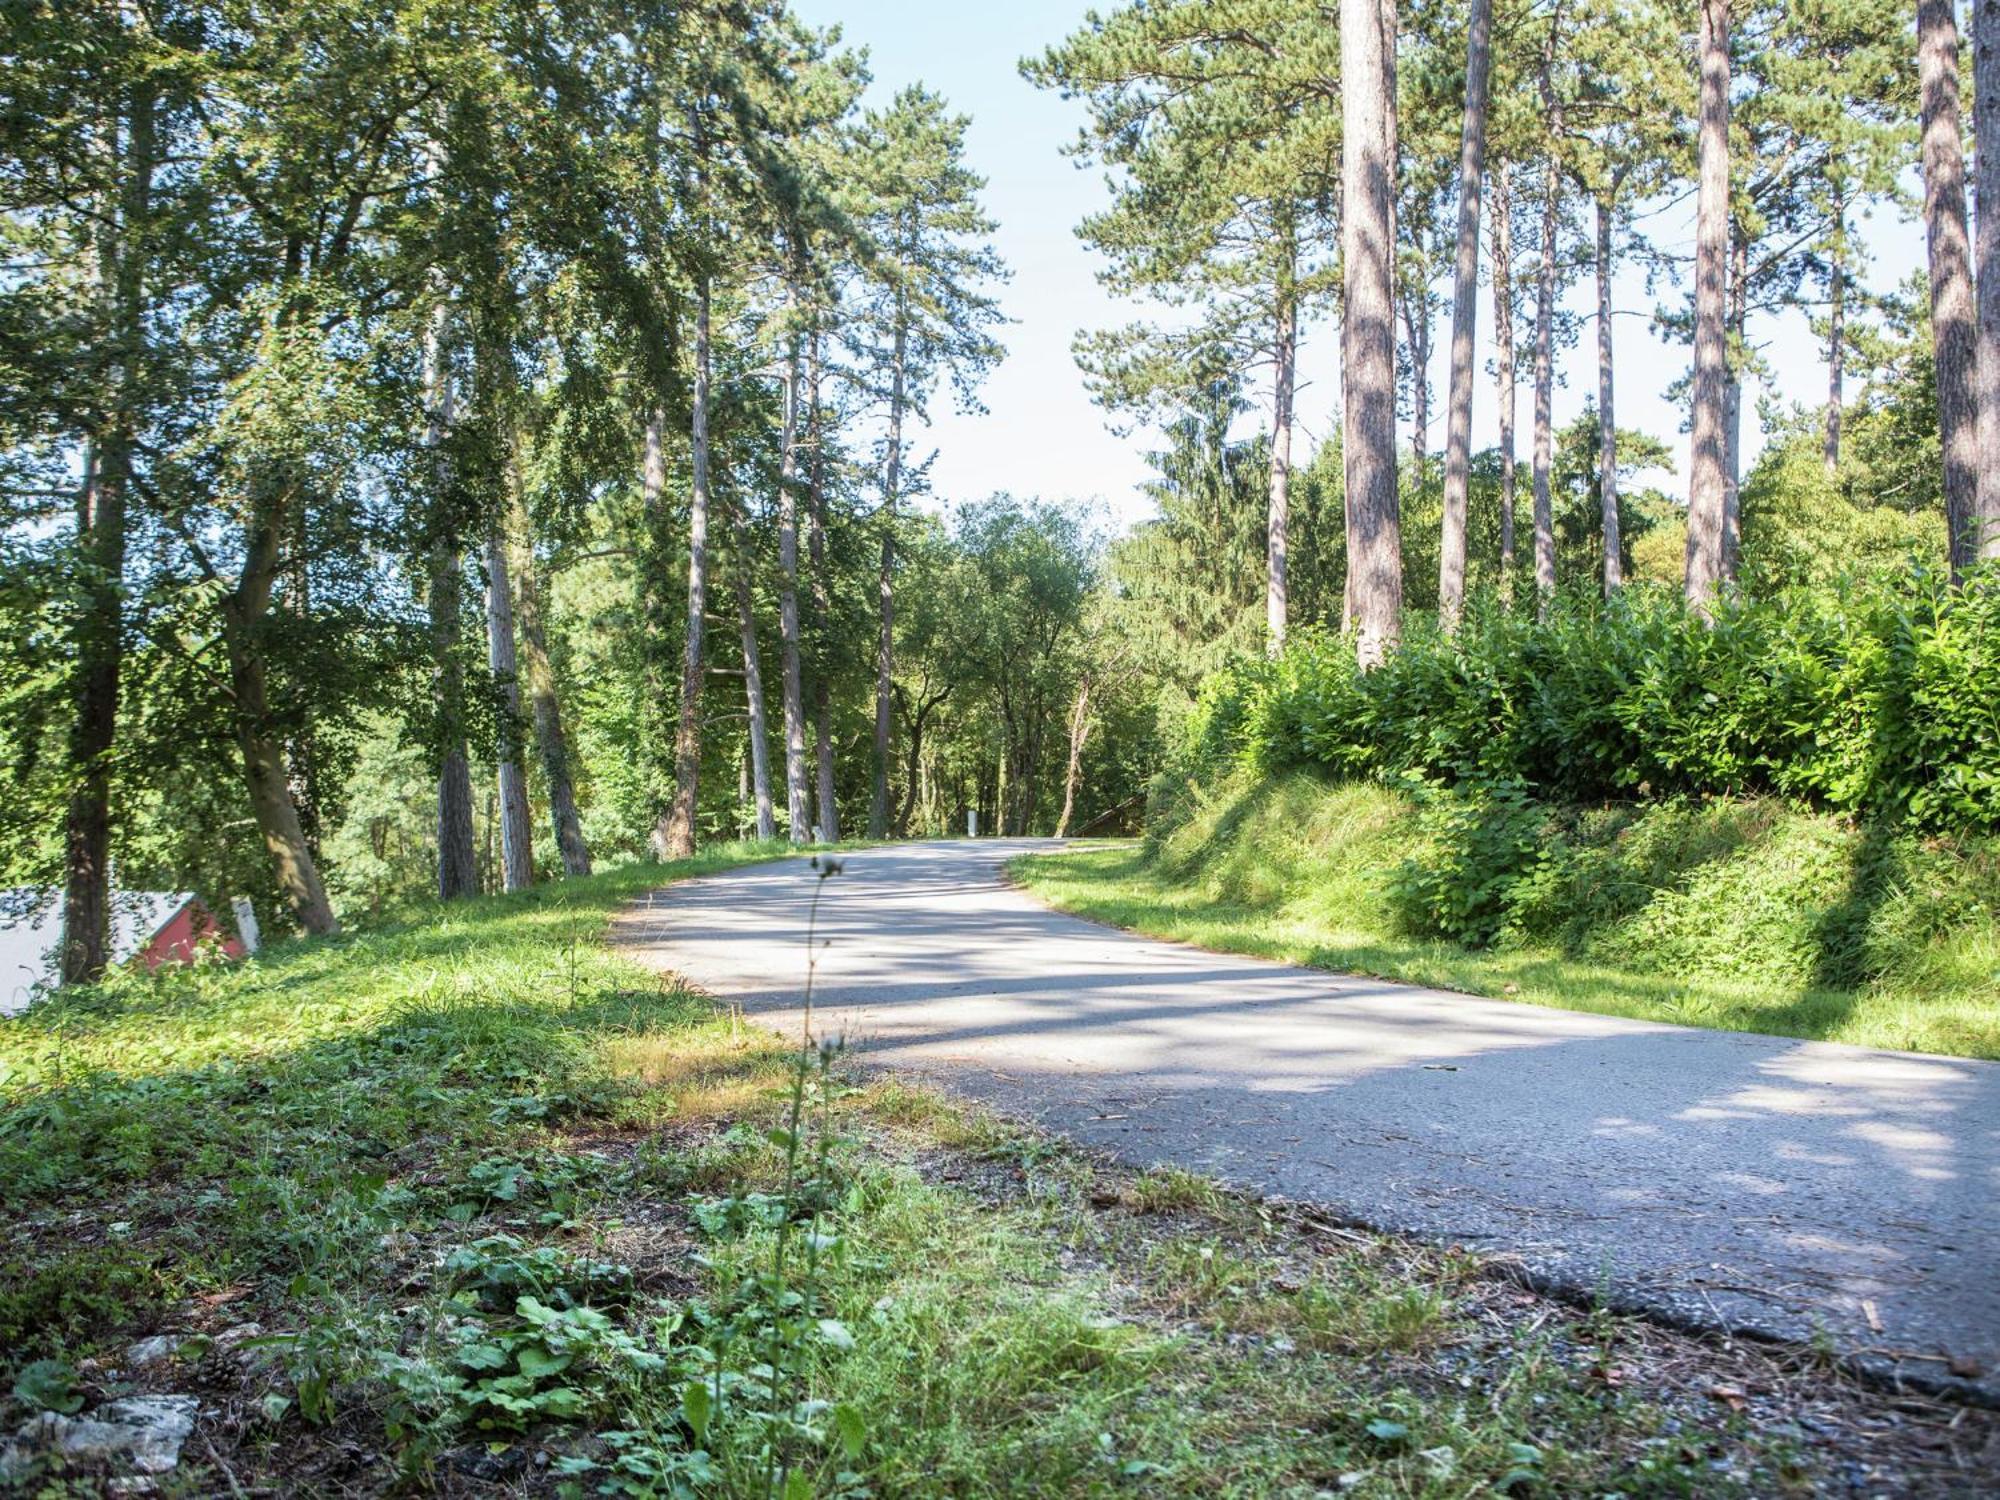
(1742, 916)
(514, 1215)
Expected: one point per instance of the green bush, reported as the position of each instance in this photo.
(1881, 699)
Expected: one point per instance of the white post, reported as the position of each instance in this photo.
(972, 822)
(246, 922)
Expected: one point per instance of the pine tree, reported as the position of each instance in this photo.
(928, 316)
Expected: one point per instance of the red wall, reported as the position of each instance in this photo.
(176, 942)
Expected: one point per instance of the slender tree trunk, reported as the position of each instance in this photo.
(753, 685)
(1545, 319)
(458, 860)
(544, 705)
(827, 803)
(1836, 338)
(1732, 408)
(1986, 259)
(1708, 478)
(1079, 732)
(1368, 337)
(1284, 354)
(675, 837)
(265, 773)
(885, 662)
(1464, 309)
(1607, 423)
(913, 767)
(517, 831)
(798, 814)
(1503, 364)
(1417, 316)
(98, 642)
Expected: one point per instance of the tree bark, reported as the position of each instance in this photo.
(1545, 323)
(1607, 424)
(1544, 437)
(1707, 478)
(458, 860)
(753, 685)
(1952, 306)
(1464, 310)
(885, 586)
(1836, 338)
(544, 704)
(97, 643)
(1284, 354)
(244, 611)
(1079, 732)
(827, 803)
(1368, 338)
(1732, 408)
(675, 837)
(1417, 335)
(1986, 259)
(517, 833)
(1503, 366)
(798, 814)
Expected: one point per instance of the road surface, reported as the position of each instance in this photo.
(1723, 1180)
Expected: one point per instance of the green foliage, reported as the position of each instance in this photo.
(1878, 700)
(1738, 913)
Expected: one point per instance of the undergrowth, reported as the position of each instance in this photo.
(476, 1205)
(1743, 914)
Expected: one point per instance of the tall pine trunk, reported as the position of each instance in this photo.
(1544, 440)
(798, 815)
(1836, 336)
(1953, 327)
(538, 674)
(1707, 478)
(674, 838)
(97, 644)
(1464, 306)
(1503, 366)
(1284, 355)
(517, 831)
(826, 803)
(1368, 335)
(1986, 258)
(885, 590)
(1607, 423)
(753, 684)
(1732, 407)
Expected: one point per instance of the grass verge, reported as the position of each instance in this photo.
(1740, 916)
(476, 1206)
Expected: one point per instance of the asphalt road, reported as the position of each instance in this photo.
(1749, 1183)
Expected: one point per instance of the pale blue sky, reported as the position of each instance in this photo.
(1041, 434)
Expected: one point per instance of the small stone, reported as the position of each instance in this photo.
(229, 1338)
(152, 1351)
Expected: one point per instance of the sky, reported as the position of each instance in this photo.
(1041, 436)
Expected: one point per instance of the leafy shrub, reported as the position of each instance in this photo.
(1881, 699)
(1476, 849)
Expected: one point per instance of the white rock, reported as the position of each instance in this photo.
(151, 1351)
(143, 1433)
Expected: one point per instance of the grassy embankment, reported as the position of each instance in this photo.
(1742, 915)
(475, 1204)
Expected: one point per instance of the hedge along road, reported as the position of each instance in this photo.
(1760, 1185)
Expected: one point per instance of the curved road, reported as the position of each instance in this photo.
(1753, 1183)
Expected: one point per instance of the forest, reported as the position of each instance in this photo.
(473, 513)
(448, 446)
